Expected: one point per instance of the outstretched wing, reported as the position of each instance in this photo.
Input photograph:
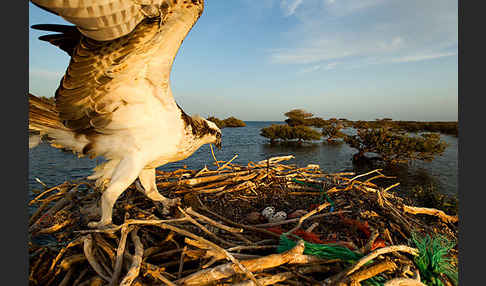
(105, 20)
(98, 66)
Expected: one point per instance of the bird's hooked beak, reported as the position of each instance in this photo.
(218, 143)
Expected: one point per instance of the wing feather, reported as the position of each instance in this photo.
(105, 20)
(83, 98)
(94, 69)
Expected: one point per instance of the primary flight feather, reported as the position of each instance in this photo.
(115, 98)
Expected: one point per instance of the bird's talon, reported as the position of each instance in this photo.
(168, 204)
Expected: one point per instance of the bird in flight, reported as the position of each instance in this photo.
(114, 99)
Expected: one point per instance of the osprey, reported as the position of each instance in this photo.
(115, 98)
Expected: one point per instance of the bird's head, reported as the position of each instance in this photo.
(215, 134)
(207, 131)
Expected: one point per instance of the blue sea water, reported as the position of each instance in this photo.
(53, 166)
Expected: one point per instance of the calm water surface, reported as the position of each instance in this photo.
(53, 166)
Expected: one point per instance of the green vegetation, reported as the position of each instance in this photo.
(332, 130)
(450, 128)
(297, 128)
(393, 146)
(228, 122)
(430, 197)
(445, 127)
(283, 132)
(387, 138)
(298, 117)
(434, 261)
(233, 122)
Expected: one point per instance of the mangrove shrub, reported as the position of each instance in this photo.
(228, 122)
(283, 132)
(394, 146)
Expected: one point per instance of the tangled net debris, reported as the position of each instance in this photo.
(315, 229)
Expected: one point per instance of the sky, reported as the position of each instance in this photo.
(257, 59)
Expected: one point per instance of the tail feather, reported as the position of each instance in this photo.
(44, 122)
(43, 114)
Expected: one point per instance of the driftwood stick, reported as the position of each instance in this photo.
(158, 275)
(94, 281)
(67, 277)
(390, 187)
(404, 282)
(69, 261)
(275, 160)
(308, 259)
(40, 182)
(227, 163)
(88, 252)
(205, 189)
(363, 175)
(181, 262)
(251, 247)
(38, 197)
(192, 212)
(107, 248)
(149, 269)
(204, 229)
(380, 251)
(203, 179)
(430, 211)
(81, 275)
(378, 176)
(162, 254)
(75, 242)
(307, 215)
(54, 228)
(216, 247)
(255, 265)
(155, 222)
(270, 280)
(102, 259)
(279, 277)
(246, 185)
(369, 272)
(119, 255)
(38, 212)
(208, 252)
(202, 171)
(57, 206)
(136, 260)
(215, 255)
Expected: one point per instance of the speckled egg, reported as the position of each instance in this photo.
(268, 212)
(279, 216)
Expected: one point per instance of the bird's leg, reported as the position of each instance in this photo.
(149, 188)
(124, 174)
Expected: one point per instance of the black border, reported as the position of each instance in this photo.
(14, 69)
(470, 182)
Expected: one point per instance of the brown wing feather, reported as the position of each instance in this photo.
(81, 97)
(105, 20)
(96, 67)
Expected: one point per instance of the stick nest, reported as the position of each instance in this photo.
(218, 235)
